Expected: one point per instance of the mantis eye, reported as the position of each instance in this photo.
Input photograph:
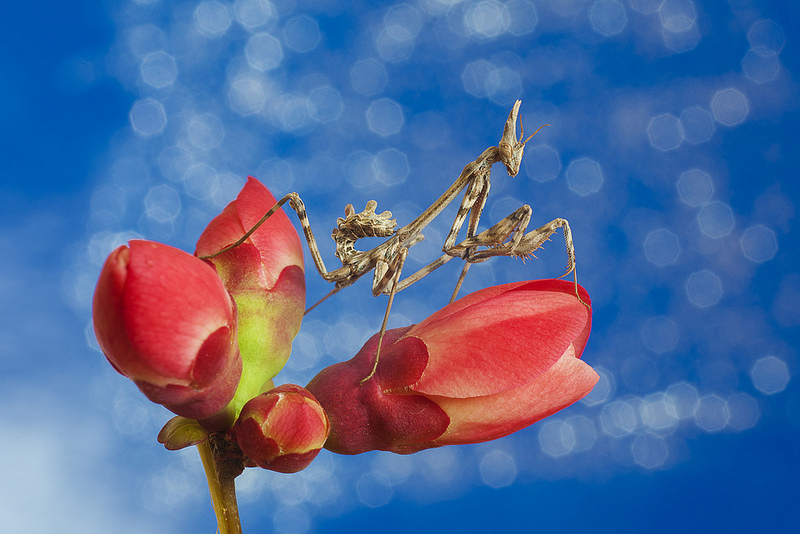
(505, 151)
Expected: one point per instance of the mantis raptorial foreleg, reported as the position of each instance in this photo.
(494, 237)
(467, 252)
(503, 239)
(525, 245)
(473, 203)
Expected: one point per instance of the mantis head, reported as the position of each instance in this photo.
(511, 148)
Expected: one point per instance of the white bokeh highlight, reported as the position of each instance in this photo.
(770, 375)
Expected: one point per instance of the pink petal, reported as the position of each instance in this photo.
(223, 230)
(276, 239)
(172, 303)
(154, 307)
(499, 338)
(481, 419)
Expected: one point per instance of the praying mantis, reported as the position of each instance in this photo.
(506, 238)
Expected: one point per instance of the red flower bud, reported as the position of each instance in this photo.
(479, 369)
(282, 429)
(266, 279)
(164, 320)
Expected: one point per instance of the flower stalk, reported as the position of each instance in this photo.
(221, 471)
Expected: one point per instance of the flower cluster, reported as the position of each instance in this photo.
(205, 337)
(205, 334)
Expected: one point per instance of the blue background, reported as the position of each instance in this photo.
(672, 152)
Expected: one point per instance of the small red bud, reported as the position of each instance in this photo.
(283, 429)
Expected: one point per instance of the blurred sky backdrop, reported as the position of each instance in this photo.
(672, 152)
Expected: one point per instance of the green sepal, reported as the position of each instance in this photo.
(180, 432)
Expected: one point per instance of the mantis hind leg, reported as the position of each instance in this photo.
(296, 203)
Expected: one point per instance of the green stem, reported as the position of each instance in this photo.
(221, 473)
